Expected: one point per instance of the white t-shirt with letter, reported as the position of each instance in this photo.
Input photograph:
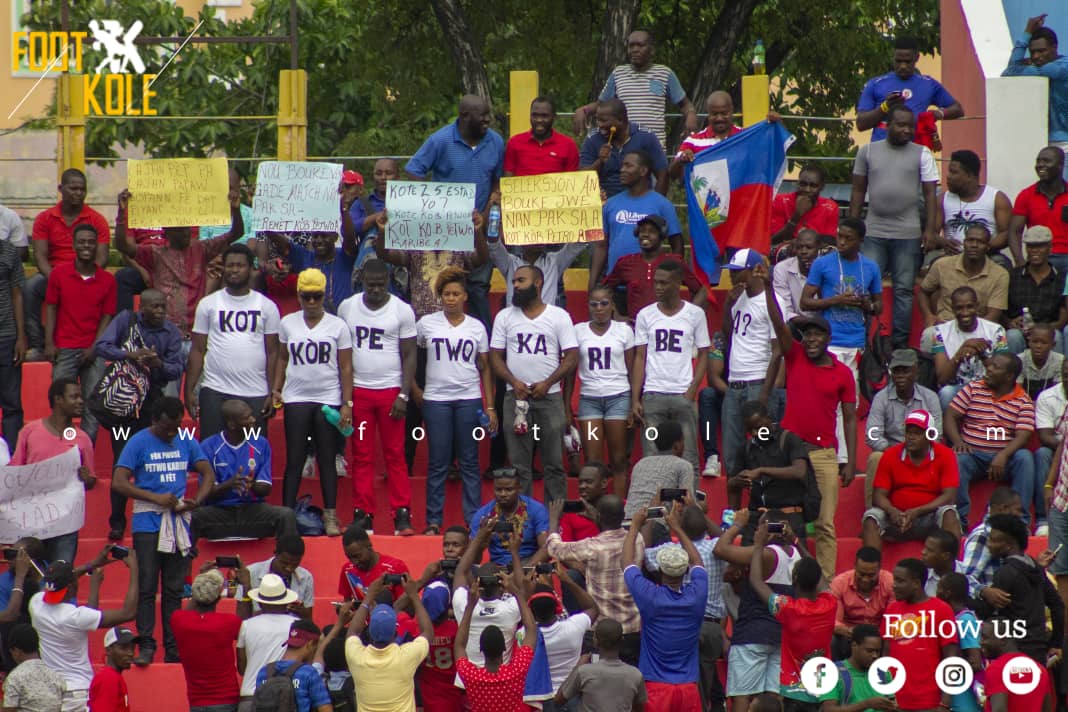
(376, 336)
(533, 346)
(670, 342)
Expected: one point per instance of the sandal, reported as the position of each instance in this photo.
(432, 530)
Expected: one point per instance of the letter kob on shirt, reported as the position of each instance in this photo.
(599, 359)
(369, 337)
(310, 352)
(462, 350)
(523, 344)
(238, 321)
(668, 340)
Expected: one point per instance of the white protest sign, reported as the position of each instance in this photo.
(297, 196)
(430, 216)
(44, 499)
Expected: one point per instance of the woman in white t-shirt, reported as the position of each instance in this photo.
(459, 386)
(313, 363)
(606, 356)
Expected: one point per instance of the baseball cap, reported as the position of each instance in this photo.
(122, 635)
(655, 220)
(902, 357)
(746, 258)
(311, 280)
(1037, 235)
(58, 577)
(351, 178)
(919, 418)
(436, 599)
(383, 626)
(673, 560)
(799, 323)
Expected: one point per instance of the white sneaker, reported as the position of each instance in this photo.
(712, 468)
(308, 472)
(339, 463)
(1042, 529)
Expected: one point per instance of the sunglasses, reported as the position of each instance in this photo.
(311, 296)
(600, 303)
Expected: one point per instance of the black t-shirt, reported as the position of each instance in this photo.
(779, 449)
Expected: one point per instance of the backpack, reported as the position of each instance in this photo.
(873, 366)
(276, 694)
(847, 681)
(118, 398)
(813, 500)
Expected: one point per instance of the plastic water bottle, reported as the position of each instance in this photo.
(759, 60)
(333, 416)
(1027, 321)
(484, 421)
(493, 226)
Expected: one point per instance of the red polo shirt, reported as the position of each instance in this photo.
(524, 155)
(912, 485)
(49, 225)
(80, 304)
(1033, 205)
(575, 527)
(812, 397)
(823, 217)
(636, 275)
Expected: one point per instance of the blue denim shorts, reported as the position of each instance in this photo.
(615, 407)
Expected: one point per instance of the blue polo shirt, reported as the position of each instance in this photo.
(159, 467)
(621, 214)
(671, 625)
(448, 157)
(252, 456)
(338, 272)
(308, 687)
(1057, 72)
(920, 92)
(833, 276)
(637, 140)
(537, 522)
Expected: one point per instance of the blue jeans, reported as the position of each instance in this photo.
(1043, 459)
(10, 392)
(709, 403)
(1020, 472)
(61, 548)
(68, 365)
(733, 427)
(947, 393)
(449, 426)
(901, 259)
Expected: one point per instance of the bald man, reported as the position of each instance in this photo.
(720, 110)
(241, 458)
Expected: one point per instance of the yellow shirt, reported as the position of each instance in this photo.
(385, 677)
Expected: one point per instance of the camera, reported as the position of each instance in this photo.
(656, 512)
(503, 527)
(574, 506)
(227, 562)
(776, 527)
(701, 496)
(544, 568)
(672, 494)
(10, 554)
(449, 564)
(119, 552)
(393, 579)
(488, 580)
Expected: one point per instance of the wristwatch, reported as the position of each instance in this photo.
(403, 397)
(348, 403)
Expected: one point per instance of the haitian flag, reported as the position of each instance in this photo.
(729, 188)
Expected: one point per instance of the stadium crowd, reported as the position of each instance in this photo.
(627, 597)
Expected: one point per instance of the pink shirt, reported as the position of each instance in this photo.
(38, 443)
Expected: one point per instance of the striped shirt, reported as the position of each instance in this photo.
(644, 93)
(990, 423)
(11, 277)
(602, 556)
(705, 138)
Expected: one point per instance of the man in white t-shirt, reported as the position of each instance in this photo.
(754, 353)
(383, 369)
(234, 346)
(532, 349)
(12, 230)
(664, 381)
(64, 626)
(262, 638)
(963, 346)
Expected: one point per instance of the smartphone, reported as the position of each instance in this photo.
(503, 527)
(544, 568)
(337, 605)
(449, 564)
(489, 580)
(671, 494)
(119, 552)
(776, 527)
(656, 512)
(227, 562)
(701, 496)
(574, 506)
(393, 579)
(10, 554)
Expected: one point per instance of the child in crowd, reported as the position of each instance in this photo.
(1041, 364)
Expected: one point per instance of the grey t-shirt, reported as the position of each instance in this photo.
(606, 685)
(894, 196)
(654, 473)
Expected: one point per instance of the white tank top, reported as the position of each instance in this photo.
(960, 215)
(784, 565)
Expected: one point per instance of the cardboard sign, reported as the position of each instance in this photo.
(297, 196)
(552, 208)
(44, 500)
(178, 192)
(430, 216)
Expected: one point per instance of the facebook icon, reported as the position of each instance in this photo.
(819, 675)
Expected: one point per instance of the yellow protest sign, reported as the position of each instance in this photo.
(174, 192)
(552, 208)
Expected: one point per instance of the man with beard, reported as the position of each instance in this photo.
(53, 245)
(892, 173)
(383, 371)
(532, 349)
(540, 150)
(965, 202)
(1043, 203)
(663, 381)
(235, 346)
